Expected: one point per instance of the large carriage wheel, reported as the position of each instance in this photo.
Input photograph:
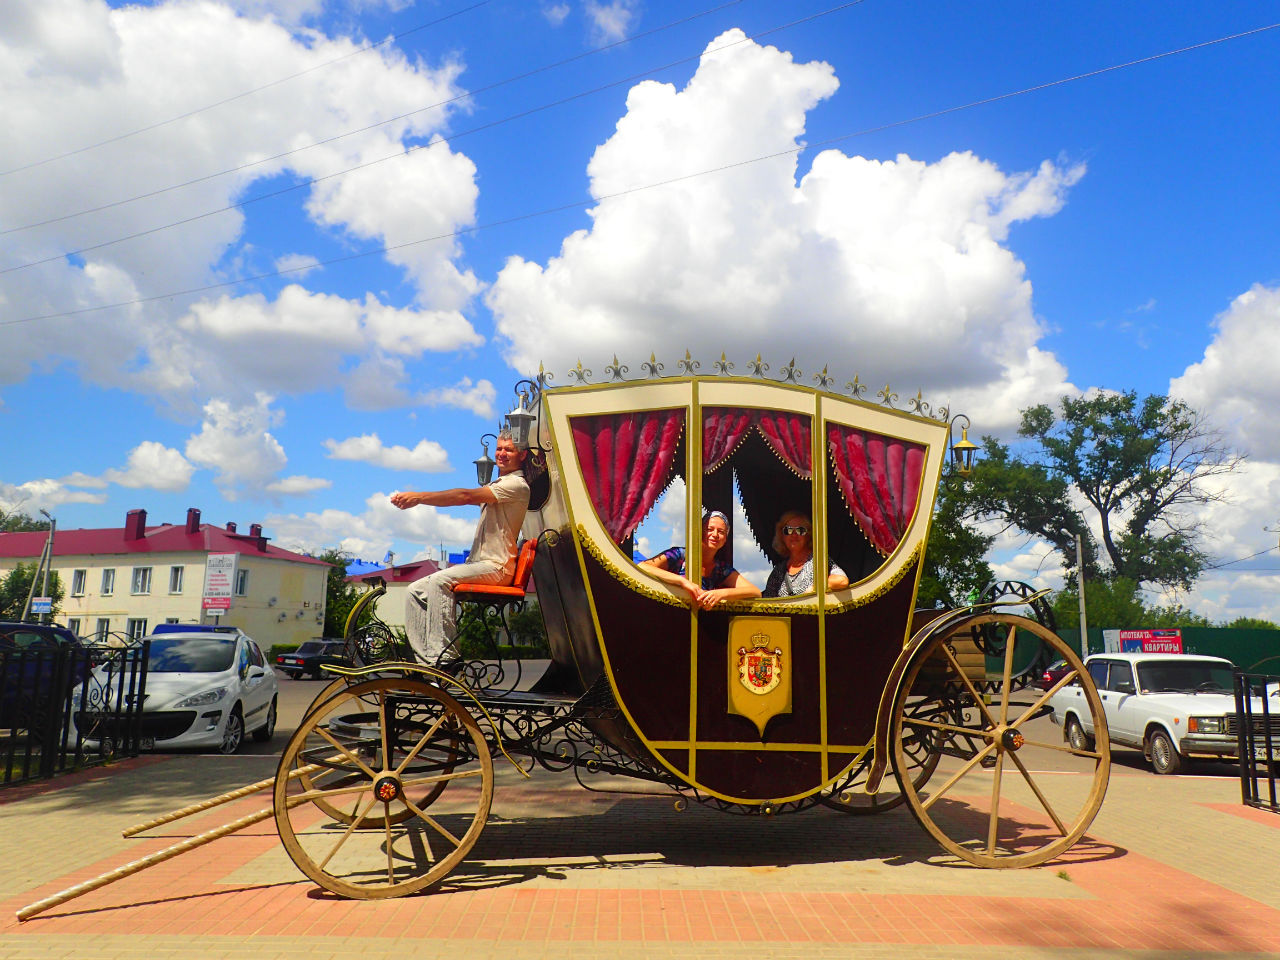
(377, 754)
(1009, 793)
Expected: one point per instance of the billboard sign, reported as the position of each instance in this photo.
(219, 581)
(1142, 641)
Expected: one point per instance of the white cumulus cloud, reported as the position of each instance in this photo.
(236, 443)
(855, 266)
(298, 484)
(153, 466)
(427, 456)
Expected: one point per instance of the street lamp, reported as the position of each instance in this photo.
(962, 451)
(519, 422)
(484, 463)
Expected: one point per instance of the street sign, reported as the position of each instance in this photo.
(42, 604)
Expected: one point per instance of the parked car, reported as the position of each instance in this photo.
(201, 690)
(1052, 674)
(1171, 706)
(311, 656)
(28, 670)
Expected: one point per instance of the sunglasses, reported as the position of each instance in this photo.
(788, 530)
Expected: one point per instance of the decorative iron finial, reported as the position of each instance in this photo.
(918, 404)
(651, 367)
(790, 374)
(856, 388)
(580, 374)
(688, 365)
(887, 396)
(757, 368)
(616, 370)
(723, 365)
(823, 381)
(543, 378)
(943, 414)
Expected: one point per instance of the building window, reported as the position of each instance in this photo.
(73, 623)
(136, 629)
(141, 581)
(77, 582)
(175, 579)
(242, 583)
(103, 628)
(171, 620)
(108, 581)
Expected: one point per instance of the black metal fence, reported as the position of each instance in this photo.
(1257, 730)
(68, 708)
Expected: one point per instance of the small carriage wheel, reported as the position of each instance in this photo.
(376, 754)
(922, 749)
(992, 808)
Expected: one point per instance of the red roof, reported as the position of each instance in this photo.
(403, 573)
(165, 538)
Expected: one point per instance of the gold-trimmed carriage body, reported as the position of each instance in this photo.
(865, 473)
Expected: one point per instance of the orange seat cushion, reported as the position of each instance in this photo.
(486, 590)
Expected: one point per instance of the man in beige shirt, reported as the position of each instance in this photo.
(429, 618)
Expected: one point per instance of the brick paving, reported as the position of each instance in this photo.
(1174, 867)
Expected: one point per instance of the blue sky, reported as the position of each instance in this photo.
(1113, 232)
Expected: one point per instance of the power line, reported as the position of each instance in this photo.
(240, 96)
(387, 248)
(365, 129)
(404, 153)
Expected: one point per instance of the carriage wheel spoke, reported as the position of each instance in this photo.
(385, 724)
(323, 794)
(955, 777)
(950, 728)
(977, 697)
(346, 753)
(422, 742)
(391, 866)
(441, 778)
(993, 821)
(1048, 808)
(355, 822)
(1006, 680)
(423, 835)
(432, 820)
(1060, 748)
(1044, 698)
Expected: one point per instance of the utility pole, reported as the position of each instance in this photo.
(1084, 622)
(44, 584)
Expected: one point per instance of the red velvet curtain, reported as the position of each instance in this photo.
(880, 479)
(788, 436)
(626, 461)
(722, 430)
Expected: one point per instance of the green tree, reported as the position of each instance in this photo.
(15, 587)
(340, 596)
(13, 521)
(1252, 623)
(1136, 470)
(954, 562)
(1109, 604)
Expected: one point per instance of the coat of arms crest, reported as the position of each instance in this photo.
(759, 668)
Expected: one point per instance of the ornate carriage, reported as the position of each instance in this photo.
(756, 707)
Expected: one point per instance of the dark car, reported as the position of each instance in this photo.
(32, 656)
(1052, 674)
(311, 656)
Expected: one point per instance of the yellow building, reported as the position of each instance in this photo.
(124, 581)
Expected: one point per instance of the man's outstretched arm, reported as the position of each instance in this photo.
(457, 497)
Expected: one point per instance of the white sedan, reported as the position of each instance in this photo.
(202, 690)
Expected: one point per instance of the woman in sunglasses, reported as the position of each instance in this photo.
(719, 580)
(793, 574)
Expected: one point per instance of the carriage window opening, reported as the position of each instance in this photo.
(873, 486)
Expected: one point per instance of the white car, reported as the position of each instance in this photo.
(1171, 706)
(201, 690)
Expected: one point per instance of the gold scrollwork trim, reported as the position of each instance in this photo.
(907, 565)
(614, 571)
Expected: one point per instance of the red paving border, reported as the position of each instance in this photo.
(1135, 903)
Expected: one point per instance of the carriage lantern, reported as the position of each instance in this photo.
(484, 465)
(962, 452)
(519, 421)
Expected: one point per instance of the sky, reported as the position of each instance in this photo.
(277, 259)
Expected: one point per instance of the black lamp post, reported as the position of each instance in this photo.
(963, 450)
(484, 463)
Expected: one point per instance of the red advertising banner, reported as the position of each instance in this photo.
(1151, 641)
(217, 603)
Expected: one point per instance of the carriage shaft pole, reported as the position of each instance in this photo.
(160, 856)
(216, 801)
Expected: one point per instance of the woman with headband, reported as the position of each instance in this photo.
(719, 581)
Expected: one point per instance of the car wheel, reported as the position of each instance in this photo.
(268, 729)
(314, 673)
(1076, 736)
(233, 734)
(1164, 755)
